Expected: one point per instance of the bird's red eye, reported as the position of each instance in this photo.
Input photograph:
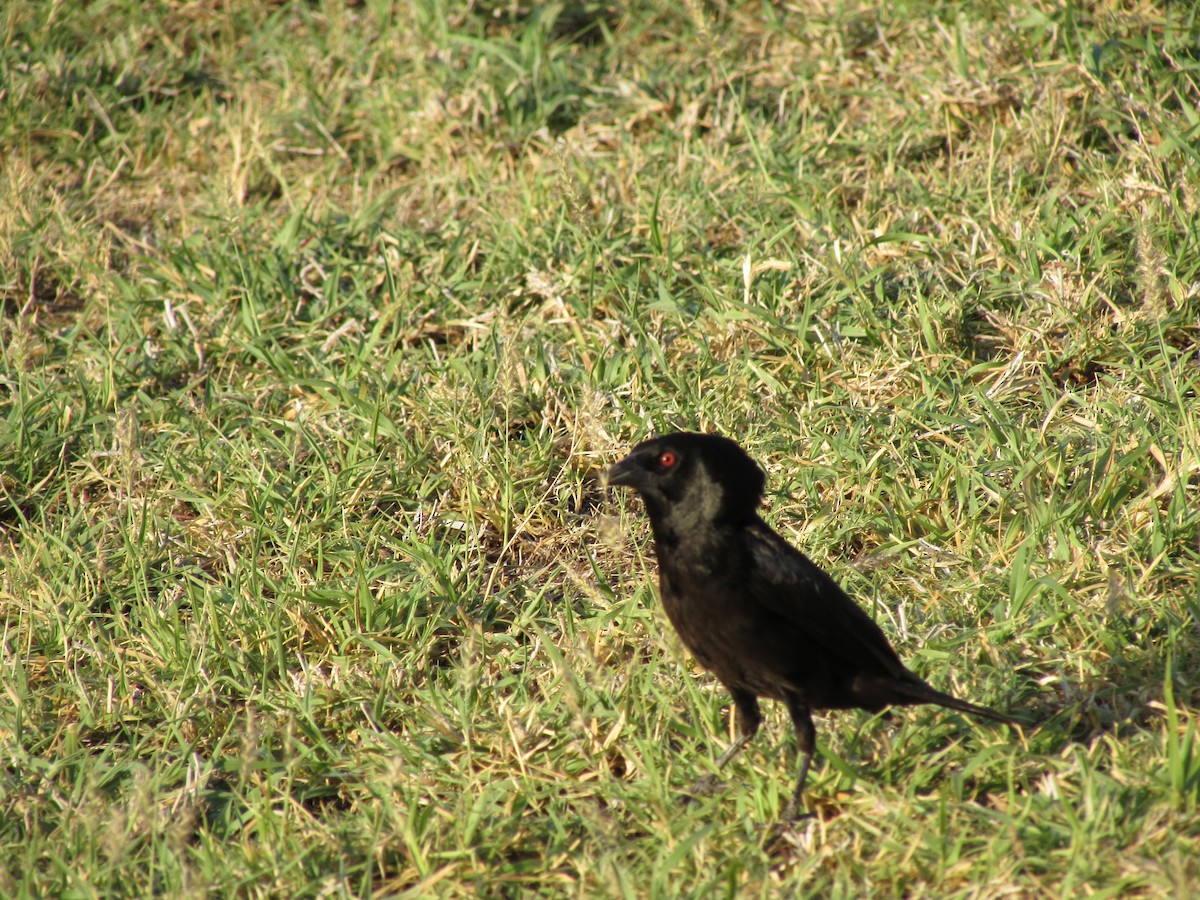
(667, 458)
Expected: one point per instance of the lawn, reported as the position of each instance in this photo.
(318, 321)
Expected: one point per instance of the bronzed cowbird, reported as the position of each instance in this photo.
(753, 610)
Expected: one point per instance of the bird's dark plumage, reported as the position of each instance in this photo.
(753, 610)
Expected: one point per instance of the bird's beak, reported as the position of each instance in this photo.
(626, 473)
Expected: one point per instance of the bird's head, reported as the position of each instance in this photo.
(691, 480)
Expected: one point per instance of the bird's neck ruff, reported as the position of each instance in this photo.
(699, 510)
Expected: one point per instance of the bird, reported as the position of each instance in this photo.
(754, 610)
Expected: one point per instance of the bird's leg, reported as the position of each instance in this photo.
(733, 749)
(806, 745)
(748, 716)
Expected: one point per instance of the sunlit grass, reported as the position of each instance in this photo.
(319, 319)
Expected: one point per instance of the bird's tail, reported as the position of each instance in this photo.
(920, 692)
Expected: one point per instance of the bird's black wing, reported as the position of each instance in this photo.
(788, 583)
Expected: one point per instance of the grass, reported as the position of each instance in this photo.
(319, 318)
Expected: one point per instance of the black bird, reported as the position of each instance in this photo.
(755, 611)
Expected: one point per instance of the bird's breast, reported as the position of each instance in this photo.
(721, 633)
